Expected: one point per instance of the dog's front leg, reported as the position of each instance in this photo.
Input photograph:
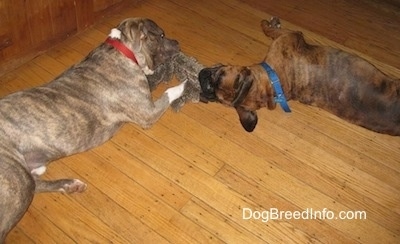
(152, 113)
(272, 28)
(176, 92)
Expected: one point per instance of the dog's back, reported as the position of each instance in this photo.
(353, 89)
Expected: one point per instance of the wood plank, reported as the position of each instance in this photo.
(188, 178)
(191, 178)
(38, 14)
(52, 234)
(212, 220)
(103, 208)
(319, 231)
(45, 23)
(312, 169)
(18, 236)
(171, 194)
(14, 23)
(266, 170)
(139, 202)
(83, 19)
(63, 18)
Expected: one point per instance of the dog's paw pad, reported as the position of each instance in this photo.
(274, 22)
(74, 186)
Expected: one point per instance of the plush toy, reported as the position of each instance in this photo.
(185, 68)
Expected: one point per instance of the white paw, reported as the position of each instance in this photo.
(175, 92)
(74, 186)
(38, 171)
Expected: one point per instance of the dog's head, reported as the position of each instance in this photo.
(148, 41)
(225, 84)
(238, 87)
(229, 85)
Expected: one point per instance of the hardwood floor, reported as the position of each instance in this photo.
(191, 177)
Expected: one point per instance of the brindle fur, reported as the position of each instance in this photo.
(80, 109)
(341, 83)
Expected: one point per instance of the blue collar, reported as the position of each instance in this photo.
(280, 96)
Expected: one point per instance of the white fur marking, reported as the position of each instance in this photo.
(147, 71)
(74, 183)
(175, 92)
(115, 33)
(38, 171)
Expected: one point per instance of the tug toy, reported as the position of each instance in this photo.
(185, 69)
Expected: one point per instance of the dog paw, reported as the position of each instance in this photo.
(275, 23)
(175, 92)
(74, 186)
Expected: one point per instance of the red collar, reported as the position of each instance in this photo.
(122, 48)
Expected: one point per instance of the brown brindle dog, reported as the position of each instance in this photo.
(341, 83)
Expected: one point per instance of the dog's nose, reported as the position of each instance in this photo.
(171, 46)
(205, 80)
(205, 75)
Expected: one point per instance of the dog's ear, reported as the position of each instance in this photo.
(129, 30)
(245, 82)
(134, 32)
(142, 31)
(248, 119)
(148, 27)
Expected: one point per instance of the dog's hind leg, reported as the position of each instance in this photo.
(17, 188)
(63, 185)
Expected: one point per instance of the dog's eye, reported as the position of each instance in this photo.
(162, 35)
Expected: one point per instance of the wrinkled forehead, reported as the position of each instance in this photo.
(130, 23)
(146, 24)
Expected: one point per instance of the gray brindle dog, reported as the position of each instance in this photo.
(81, 109)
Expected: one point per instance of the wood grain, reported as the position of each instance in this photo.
(188, 178)
(28, 27)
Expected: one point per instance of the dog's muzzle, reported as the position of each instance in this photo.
(207, 84)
